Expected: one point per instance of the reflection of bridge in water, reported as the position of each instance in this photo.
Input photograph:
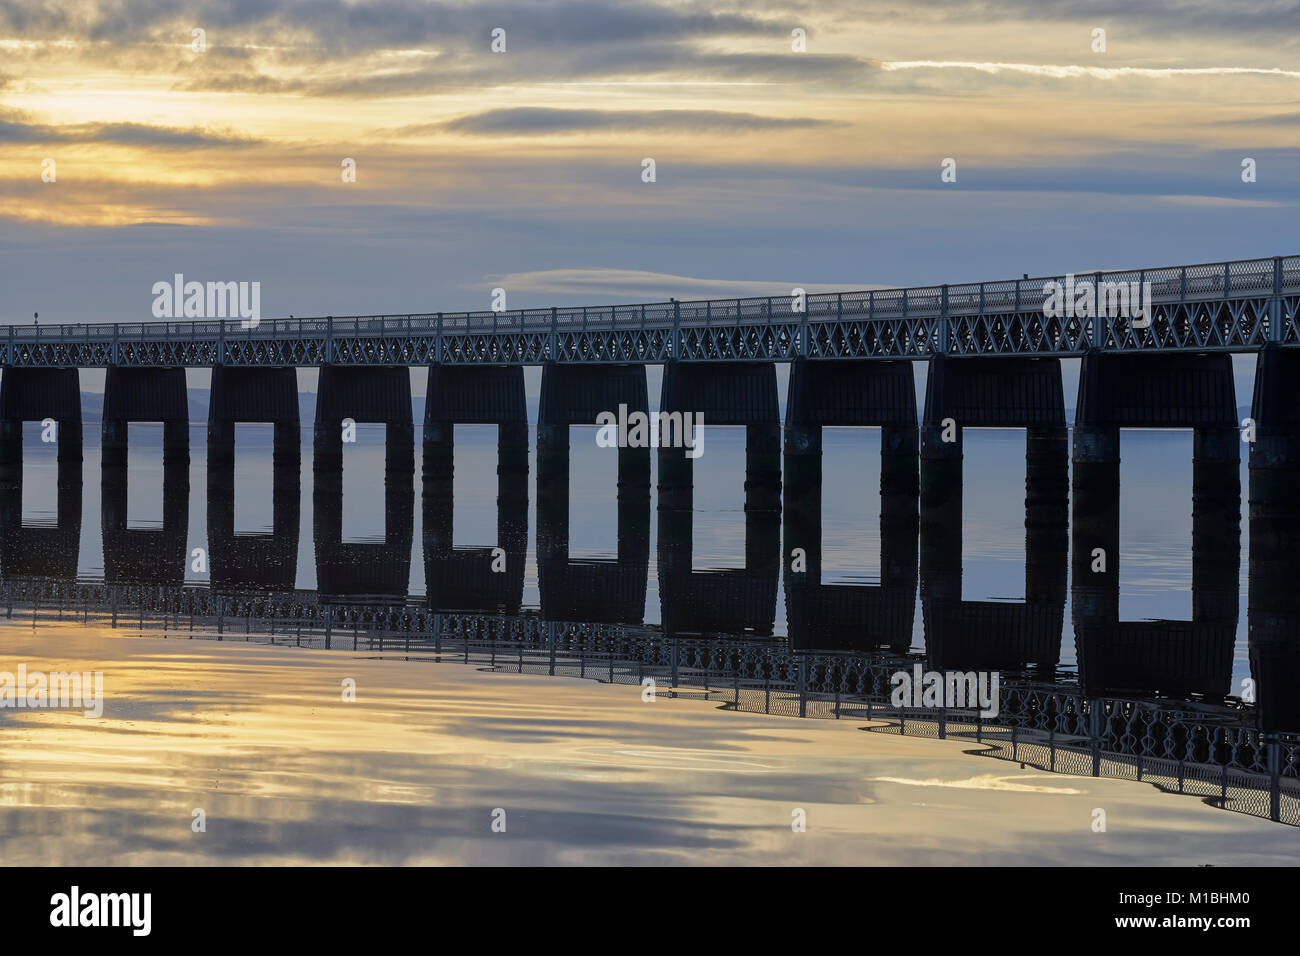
(1212, 751)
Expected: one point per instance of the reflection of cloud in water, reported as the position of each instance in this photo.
(588, 773)
(988, 781)
(680, 759)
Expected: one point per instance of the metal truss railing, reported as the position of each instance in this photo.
(1226, 306)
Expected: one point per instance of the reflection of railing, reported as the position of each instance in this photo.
(1211, 751)
(1225, 306)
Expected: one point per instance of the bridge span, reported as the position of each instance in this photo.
(1157, 355)
(1226, 306)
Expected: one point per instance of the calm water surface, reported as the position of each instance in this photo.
(411, 772)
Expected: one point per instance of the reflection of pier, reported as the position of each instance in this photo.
(250, 560)
(463, 579)
(146, 555)
(594, 589)
(379, 568)
(729, 600)
(42, 550)
(1212, 751)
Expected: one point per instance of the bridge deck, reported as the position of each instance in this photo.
(1229, 306)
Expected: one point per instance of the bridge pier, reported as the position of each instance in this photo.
(1275, 452)
(247, 394)
(994, 393)
(852, 393)
(576, 395)
(35, 394)
(146, 395)
(364, 394)
(1274, 600)
(1154, 391)
(726, 393)
(477, 395)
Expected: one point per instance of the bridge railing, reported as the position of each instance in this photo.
(1206, 282)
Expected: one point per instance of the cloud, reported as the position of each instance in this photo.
(14, 130)
(339, 27)
(448, 72)
(1275, 119)
(538, 121)
(655, 286)
(1074, 72)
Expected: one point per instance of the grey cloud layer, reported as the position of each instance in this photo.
(540, 121)
(334, 27)
(14, 130)
(333, 48)
(451, 72)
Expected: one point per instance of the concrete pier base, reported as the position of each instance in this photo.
(146, 395)
(267, 395)
(492, 395)
(726, 393)
(364, 395)
(576, 395)
(34, 395)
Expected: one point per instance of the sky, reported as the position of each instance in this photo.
(794, 143)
